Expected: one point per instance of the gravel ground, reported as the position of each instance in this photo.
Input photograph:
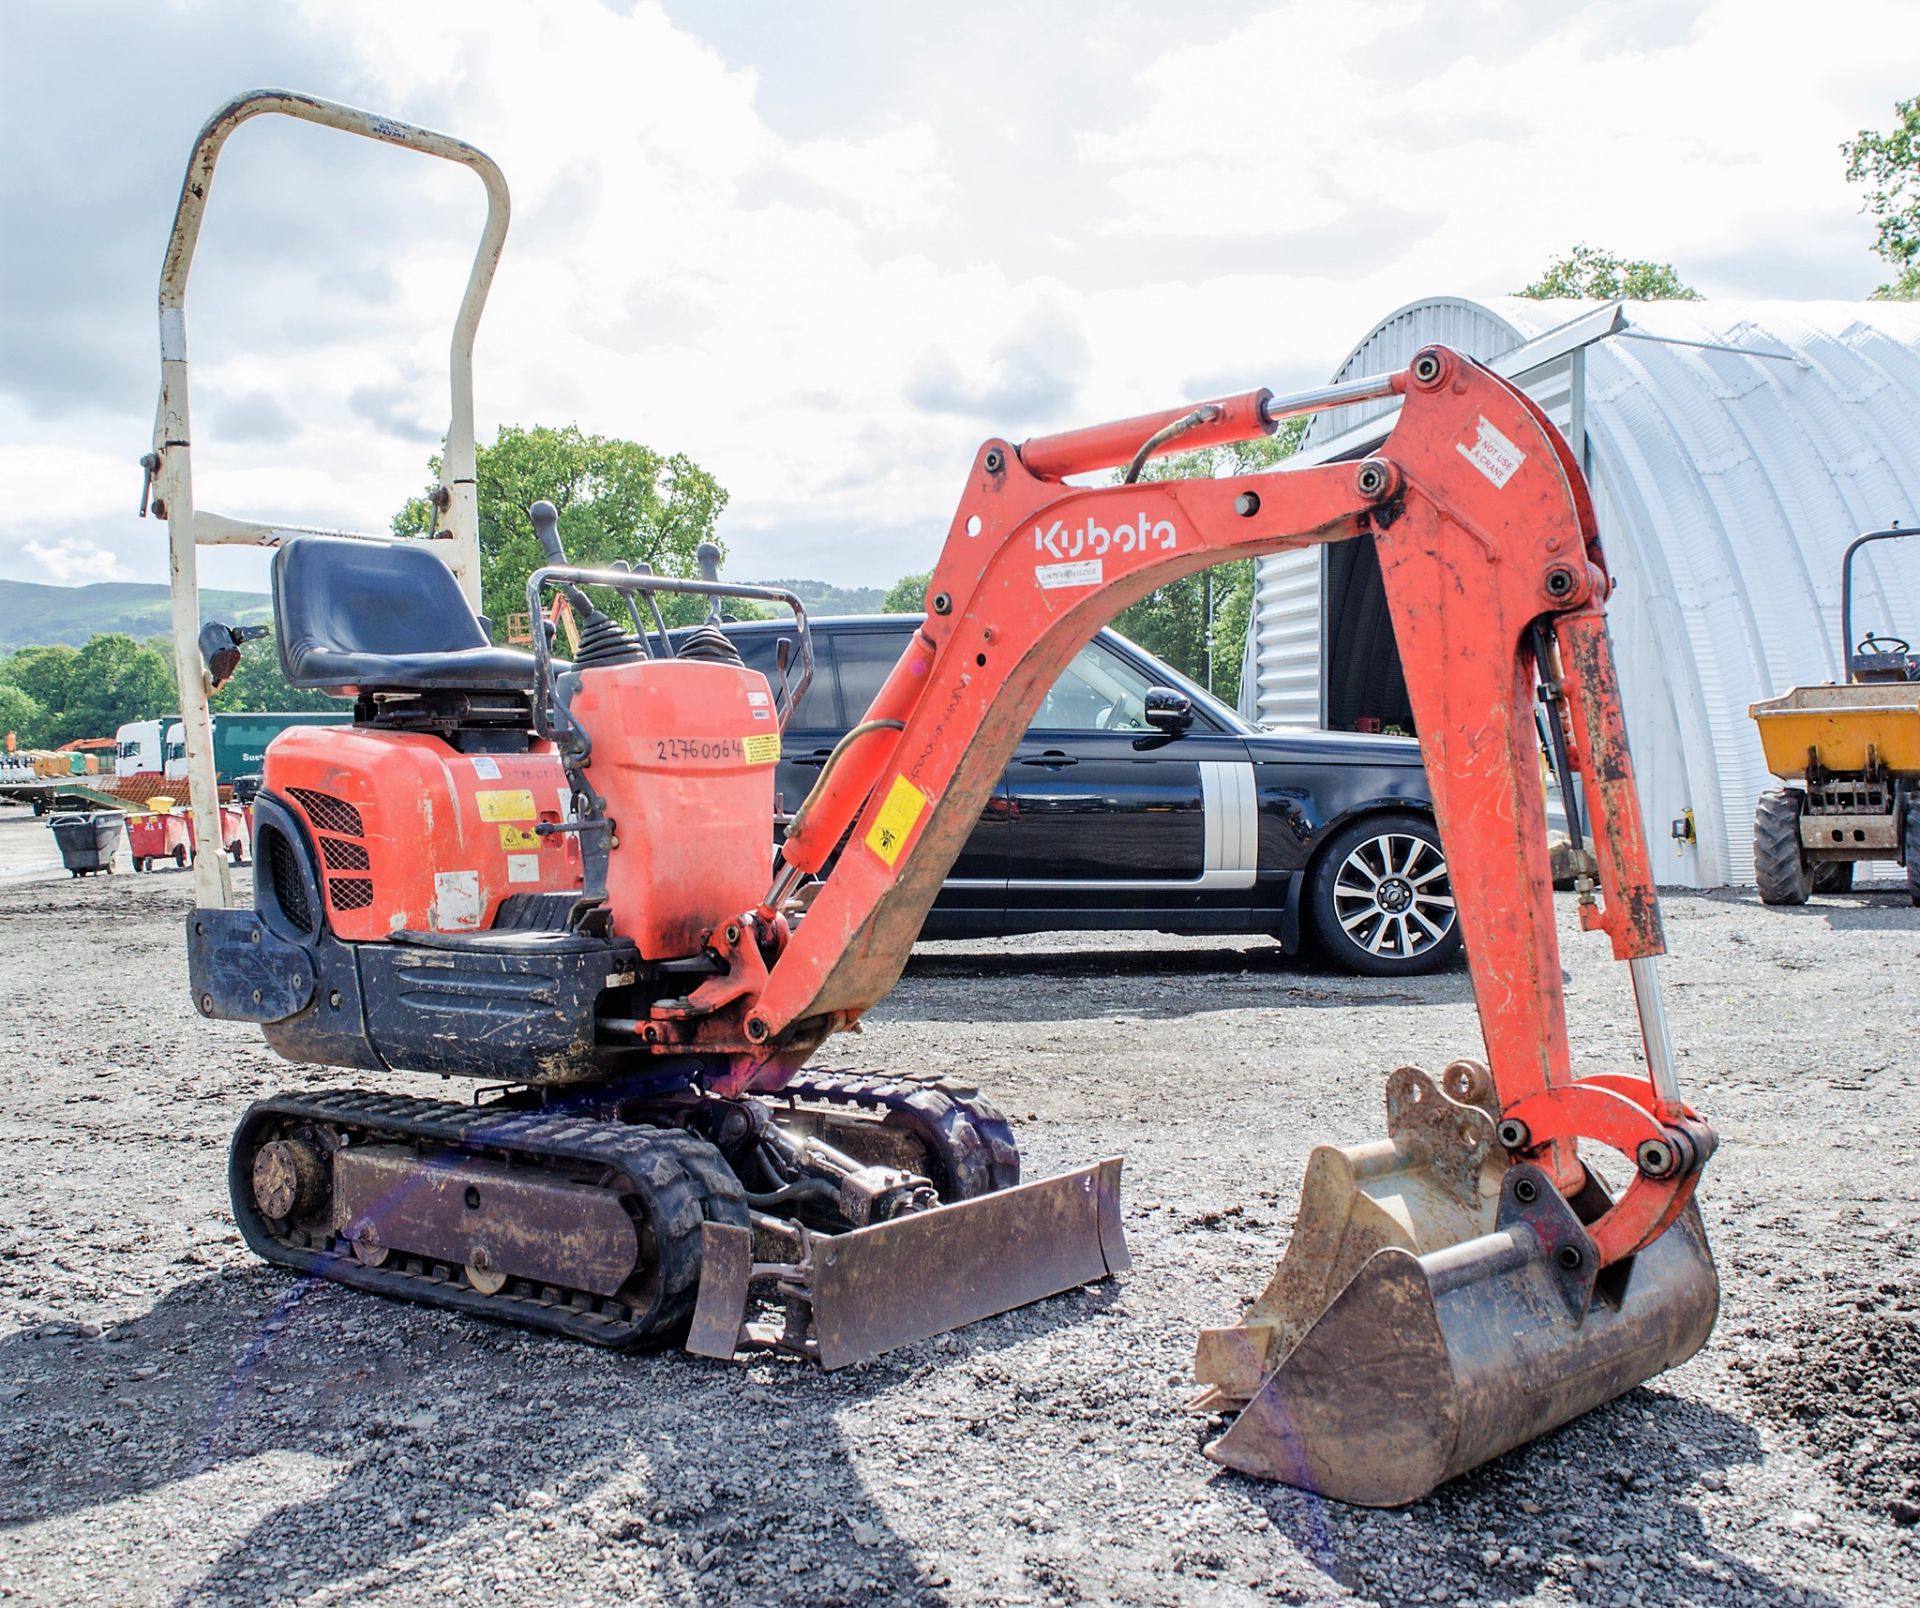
(181, 1424)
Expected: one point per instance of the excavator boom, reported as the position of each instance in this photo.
(1437, 1284)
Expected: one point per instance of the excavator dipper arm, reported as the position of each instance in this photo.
(1485, 532)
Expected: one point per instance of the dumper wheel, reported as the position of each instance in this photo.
(1912, 852)
(180, 857)
(1833, 876)
(1780, 867)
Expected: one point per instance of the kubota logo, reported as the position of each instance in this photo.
(1095, 538)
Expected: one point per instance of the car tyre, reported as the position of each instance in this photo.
(1380, 900)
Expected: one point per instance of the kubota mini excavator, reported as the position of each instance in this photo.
(558, 877)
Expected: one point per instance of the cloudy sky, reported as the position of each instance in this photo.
(827, 246)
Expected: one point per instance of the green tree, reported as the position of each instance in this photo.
(617, 500)
(116, 679)
(908, 595)
(259, 685)
(1588, 273)
(44, 674)
(1172, 623)
(1889, 166)
(21, 715)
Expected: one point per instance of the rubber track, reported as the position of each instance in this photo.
(979, 1141)
(681, 1176)
(1779, 871)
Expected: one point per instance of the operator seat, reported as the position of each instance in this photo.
(364, 616)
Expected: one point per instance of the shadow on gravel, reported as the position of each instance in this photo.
(1889, 908)
(1597, 1510)
(372, 1441)
(1183, 982)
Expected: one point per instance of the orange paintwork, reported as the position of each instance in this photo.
(684, 754)
(443, 838)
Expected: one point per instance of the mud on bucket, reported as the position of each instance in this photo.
(1432, 1356)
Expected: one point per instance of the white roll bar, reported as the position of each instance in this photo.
(170, 471)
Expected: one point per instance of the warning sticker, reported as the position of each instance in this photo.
(1087, 572)
(523, 868)
(1492, 454)
(763, 749)
(506, 804)
(515, 838)
(905, 804)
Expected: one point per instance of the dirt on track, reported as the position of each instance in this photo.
(179, 1423)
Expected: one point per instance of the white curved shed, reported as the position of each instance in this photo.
(1734, 449)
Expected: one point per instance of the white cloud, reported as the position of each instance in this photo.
(75, 562)
(830, 311)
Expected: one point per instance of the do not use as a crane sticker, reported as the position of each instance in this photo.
(904, 805)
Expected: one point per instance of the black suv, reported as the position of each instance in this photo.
(1137, 800)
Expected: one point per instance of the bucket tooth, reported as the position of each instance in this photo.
(1434, 1181)
(850, 1297)
(1426, 1365)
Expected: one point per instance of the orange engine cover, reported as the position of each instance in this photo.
(684, 753)
(412, 835)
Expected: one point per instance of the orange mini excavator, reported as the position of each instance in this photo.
(559, 877)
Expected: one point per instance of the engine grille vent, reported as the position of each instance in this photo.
(327, 813)
(283, 866)
(349, 893)
(337, 829)
(341, 855)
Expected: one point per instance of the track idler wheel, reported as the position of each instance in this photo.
(1438, 1306)
(290, 1178)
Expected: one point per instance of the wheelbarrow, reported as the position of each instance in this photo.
(159, 834)
(87, 842)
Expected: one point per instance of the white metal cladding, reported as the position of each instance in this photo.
(1727, 485)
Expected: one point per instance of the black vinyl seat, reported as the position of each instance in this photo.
(382, 616)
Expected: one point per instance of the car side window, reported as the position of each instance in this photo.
(1099, 691)
(866, 660)
(816, 711)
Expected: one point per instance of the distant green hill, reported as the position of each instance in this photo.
(823, 599)
(32, 613)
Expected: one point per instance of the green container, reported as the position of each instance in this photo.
(240, 739)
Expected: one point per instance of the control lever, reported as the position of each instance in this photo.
(546, 526)
(707, 556)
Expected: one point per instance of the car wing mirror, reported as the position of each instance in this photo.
(1168, 710)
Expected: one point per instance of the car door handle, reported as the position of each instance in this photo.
(817, 758)
(1052, 759)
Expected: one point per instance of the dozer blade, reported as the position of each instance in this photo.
(852, 1296)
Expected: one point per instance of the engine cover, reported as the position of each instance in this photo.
(414, 836)
(684, 753)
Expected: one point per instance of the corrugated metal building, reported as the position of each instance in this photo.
(1734, 450)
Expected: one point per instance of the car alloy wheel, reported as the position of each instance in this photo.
(1392, 898)
(1381, 900)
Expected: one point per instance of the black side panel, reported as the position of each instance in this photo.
(240, 972)
(332, 1030)
(514, 1017)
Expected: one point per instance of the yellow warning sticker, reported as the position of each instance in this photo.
(763, 749)
(506, 804)
(515, 838)
(905, 804)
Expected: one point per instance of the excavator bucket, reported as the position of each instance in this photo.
(849, 1297)
(1437, 1307)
